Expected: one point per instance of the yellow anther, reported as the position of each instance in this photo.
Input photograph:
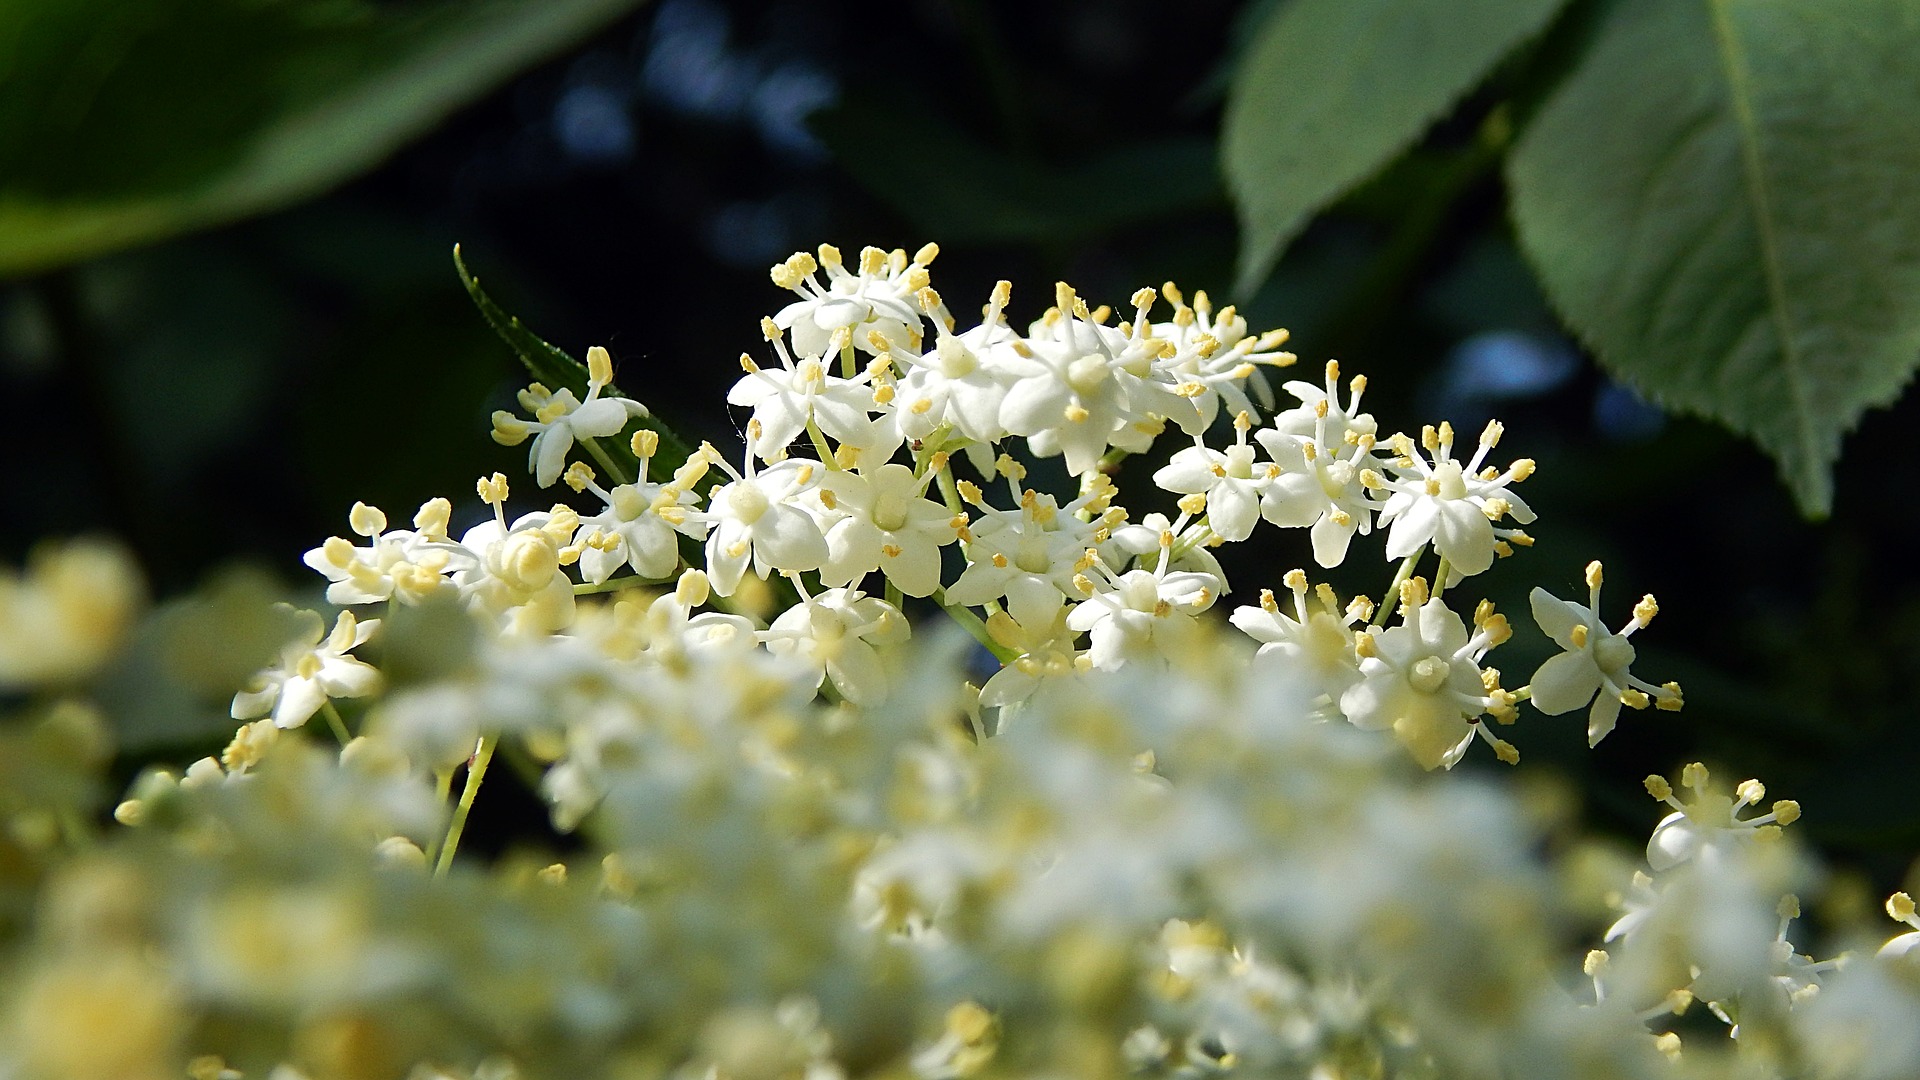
(829, 255)
(1430, 438)
(883, 394)
(1751, 791)
(999, 561)
(828, 499)
(1593, 574)
(366, 520)
(1506, 751)
(1193, 504)
(1521, 469)
(1074, 414)
(492, 489)
(1267, 602)
(1363, 645)
(1658, 787)
(769, 329)
(1333, 371)
(1496, 508)
(1900, 906)
(508, 429)
(1672, 700)
(1490, 437)
(1578, 635)
(578, 475)
(747, 365)
(432, 517)
(873, 261)
(1360, 607)
(1166, 538)
(599, 366)
(645, 443)
(1101, 314)
(1295, 579)
(1789, 907)
(1340, 517)
(1519, 536)
(1162, 609)
(1433, 487)
(1083, 583)
(1143, 297)
(1413, 592)
(1309, 450)
(1668, 1043)
(1595, 963)
(1359, 384)
(1694, 776)
(1320, 408)
(1633, 699)
(1646, 609)
(1497, 629)
(1786, 811)
(891, 551)
(1446, 433)
(926, 254)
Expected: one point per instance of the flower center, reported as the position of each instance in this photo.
(627, 502)
(1453, 485)
(1240, 462)
(1428, 674)
(890, 512)
(956, 362)
(1087, 374)
(1612, 653)
(747, 502)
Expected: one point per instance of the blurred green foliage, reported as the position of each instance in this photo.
(122, 123)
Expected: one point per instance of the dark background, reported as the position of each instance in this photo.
(229, 395)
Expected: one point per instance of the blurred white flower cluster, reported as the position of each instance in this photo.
(1068, 823)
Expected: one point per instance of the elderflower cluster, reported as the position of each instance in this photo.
(900, 741)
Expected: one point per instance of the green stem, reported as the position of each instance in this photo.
(893, 596)
(973, 625)
(338, 725)
(614, 472)
(476, 772)
(1440, 577)
(630, 581)
(820, 445)
(1392, 599)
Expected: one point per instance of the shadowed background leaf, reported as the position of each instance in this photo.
(1720, 200)
(223, 108)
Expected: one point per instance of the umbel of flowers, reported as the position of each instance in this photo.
(1069, 823)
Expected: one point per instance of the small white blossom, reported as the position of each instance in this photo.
(886, 524)
(1710, 821)
(312, 669)
(1029, 555)
(1080, 387)
(1451, 505)
(398, 565)
(559, 419)
(1315, 642)
(962, 381)
(757, 519)
(640, 526)
(1324, 452)
(1216, 359)
(1594, 665)
(1422, 679)
(880, 300)
(1142, 614)
(841, 635)
(786, 399)
(1232, 481)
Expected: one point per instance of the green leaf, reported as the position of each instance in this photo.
(1723, 200)
(122, 123)
(958, 190)
(555, 368)
(1332, 90)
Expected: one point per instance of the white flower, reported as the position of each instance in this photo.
(1232, 481)
(1314, 643)
(886, 525)
(313, 668)
(840, 634)
(399, 565)
(1028, 555)
(1711, 820)
(559, 419)
(1594, 662)
(1214, 356)
(641, 524)
(1327, 467)
(961, 381)
(1142, 614)
(1075, 385)
(787, 398)
(882, 299)
(1450, 505)
(757, 519)
(1045, 656)
(1423, 680)
(515, 574)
